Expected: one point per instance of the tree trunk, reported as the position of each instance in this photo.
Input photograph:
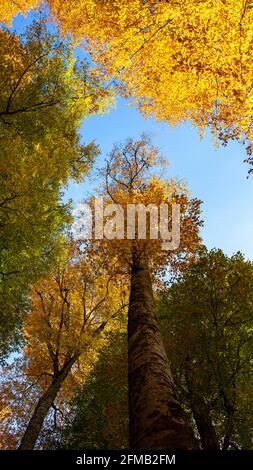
(228, 432)
(156, 419)
(43, 406)
(200, 410)
(208, 437)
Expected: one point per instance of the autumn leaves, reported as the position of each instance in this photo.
(62, 299)
(176, 61)
(45, 93)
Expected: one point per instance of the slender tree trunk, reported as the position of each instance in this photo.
(200, 410)
(43, 406)
(228, 432)
(156, 419)
(208, 437)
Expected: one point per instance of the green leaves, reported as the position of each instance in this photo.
(45, 93)
(206, 317)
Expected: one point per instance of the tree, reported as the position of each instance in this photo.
(65, 329)
(175, 60)
(156, 419)
(212, 301)
(45, 94)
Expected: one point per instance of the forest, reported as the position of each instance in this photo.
(122, 325)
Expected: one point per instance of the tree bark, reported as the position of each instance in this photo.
(45, 402)
(156, 419)
(200, 410)
(208, 437)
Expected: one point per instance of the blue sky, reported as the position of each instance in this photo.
(216, 176)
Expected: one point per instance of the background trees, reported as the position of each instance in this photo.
(99, 413)
(205, 316)
(45, 94)
(207, 324)
(64, 331)
(9, 9)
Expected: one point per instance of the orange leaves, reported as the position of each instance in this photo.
(141, 211)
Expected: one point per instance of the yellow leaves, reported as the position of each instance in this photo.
(10, 8)
(4, 411)
(139, 220)
(174, 58)
(70, 311)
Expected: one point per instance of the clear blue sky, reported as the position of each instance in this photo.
(216, 176)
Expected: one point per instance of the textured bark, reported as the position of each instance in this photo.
(156, 419)
(45, 402)
(200, 410)
(208, 437)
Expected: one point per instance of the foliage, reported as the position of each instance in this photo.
(175, 60)
(71, 311)
(212, 302)
(45, 94)
(99, 414)
(9, 9)
(129, 178)
(18, 395)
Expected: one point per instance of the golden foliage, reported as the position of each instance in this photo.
(70, 313)
(10, 8)
(176, 60)
(129, 179)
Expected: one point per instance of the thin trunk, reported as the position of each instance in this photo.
(201, 414)
(43, 406)
(200, 410)
(156, 419)
(208, 437)
(228, 431)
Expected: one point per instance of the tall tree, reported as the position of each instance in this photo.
(156, 419)
(45, 93)
(176, 60)
(212, 300)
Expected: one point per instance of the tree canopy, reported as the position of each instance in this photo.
(175, 60)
